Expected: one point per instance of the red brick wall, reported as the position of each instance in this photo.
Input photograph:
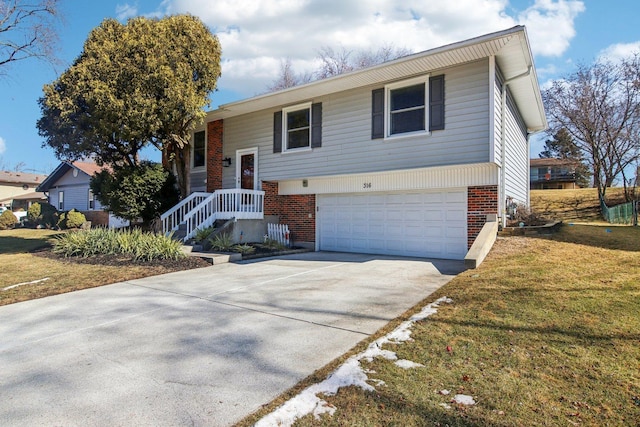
(481, 201)
(215, 131)
(298, 211)
(97, 218)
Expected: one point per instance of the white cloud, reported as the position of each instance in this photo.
(257, 35)
(126, 11)
(550, 25)
(3, 146)
(619, 51)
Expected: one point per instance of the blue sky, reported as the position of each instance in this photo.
(257, 35)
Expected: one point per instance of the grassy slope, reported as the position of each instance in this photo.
(573, 205)
(545, 332)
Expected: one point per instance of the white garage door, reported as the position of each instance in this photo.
(419, 224)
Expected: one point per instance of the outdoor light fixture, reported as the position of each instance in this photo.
(226, 162)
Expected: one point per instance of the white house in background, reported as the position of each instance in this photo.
(67, 187)
(410, 157)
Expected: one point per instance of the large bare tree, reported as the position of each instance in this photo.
(27, 30)
(334, 62)
(599, 106)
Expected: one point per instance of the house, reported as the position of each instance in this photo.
(410, 157)
(19, 188)
(67, 187)
(556, 174)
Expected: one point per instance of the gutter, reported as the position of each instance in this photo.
(503, 139)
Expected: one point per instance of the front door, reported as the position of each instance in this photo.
(247, 169)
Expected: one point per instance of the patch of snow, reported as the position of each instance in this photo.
(445, 406)
(408, 364)
(33, 282)
(464, 399)
(350, 373)
(444, 392)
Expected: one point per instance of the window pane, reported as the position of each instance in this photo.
(298, 119)
(407, 121)
(198, 149)
(298, 139)
(407, 97)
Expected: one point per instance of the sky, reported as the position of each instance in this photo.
(257, 35)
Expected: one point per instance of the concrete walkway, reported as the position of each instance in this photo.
(200, 347)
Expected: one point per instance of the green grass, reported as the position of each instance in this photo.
(545, 333)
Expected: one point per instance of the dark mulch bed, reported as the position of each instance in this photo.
(186, 263)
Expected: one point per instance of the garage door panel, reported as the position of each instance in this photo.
(423, 224)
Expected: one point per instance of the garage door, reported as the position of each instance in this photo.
(419, 224)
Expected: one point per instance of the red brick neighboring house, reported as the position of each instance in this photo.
(408, 158)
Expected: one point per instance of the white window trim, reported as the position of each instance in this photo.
(193, 151)
(424, 79)
(285, 130)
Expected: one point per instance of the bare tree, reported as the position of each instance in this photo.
(288, 77)
(599, 105)
(334, 62)
(28, 30)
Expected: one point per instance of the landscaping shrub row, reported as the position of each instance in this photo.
(140, 246)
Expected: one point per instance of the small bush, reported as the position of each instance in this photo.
(244, 249)
(139, 245)
(43, 215)
(71, 219)
(273, 244)
(7, 220)
(203, 233)
(221, 242)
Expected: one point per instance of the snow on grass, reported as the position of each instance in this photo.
(463, 399)
(350, 373)
(33, 282)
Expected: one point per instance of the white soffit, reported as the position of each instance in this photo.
(510, 47)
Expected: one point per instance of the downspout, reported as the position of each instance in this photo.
(503, 150)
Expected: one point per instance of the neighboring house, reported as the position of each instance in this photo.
(19, 186)
(410, 157)
(67, 187)
(556, 174)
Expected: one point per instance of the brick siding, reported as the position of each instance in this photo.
(215, 131)
(481, 201)
(298, 211)
(97, 218)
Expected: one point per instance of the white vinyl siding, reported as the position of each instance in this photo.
(517, 155)
(347, 146)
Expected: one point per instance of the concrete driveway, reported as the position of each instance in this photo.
(201, 347)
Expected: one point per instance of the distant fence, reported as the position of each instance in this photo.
(626, 213)
(279, 233)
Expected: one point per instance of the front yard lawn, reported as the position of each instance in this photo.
(545, 333)
(27, 261)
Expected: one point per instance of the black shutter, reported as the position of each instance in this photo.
(436, 103)
(377, 113)
(316, 125)
(277, 132)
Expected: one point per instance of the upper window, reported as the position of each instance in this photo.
(297, 127)
(409, 107)
(199, 149)
(405, 107)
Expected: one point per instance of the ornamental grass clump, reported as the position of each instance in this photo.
(139, 245)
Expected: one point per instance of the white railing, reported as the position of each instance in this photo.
(172, 218)
(279, 233)
(222, 204)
